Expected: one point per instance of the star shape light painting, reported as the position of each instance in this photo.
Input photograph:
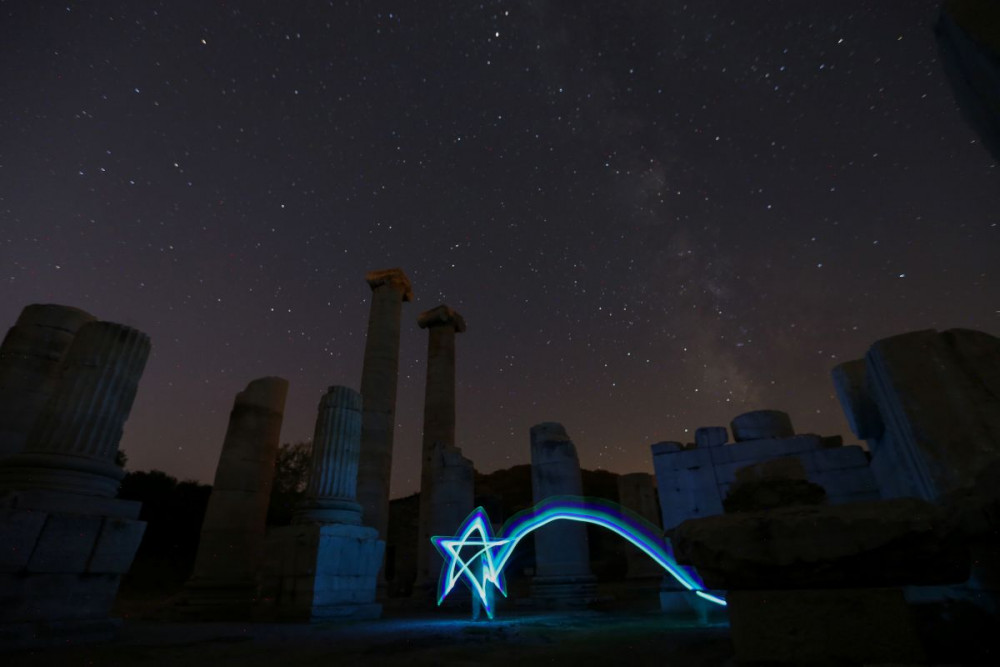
(485, 565)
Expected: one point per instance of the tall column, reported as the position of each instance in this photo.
(442, 323)
(333, 479)
(30, 358)
(379, 376)
(223, 584)
(74, 441)
(562, 553)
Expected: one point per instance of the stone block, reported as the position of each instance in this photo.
(711, 436)
(19, 532)
(116, 546)
(859, 407)
(761, 424)
(28, 597)
(51, 501)
(65, 543)
(666, 448)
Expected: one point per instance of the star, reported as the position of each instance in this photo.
(480, 568)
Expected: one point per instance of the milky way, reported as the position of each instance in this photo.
(652, 217)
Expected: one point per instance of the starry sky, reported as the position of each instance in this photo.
(653, 215)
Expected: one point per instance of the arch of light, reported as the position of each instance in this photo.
(486, 555)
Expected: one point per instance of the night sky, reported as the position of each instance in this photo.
(653, 215)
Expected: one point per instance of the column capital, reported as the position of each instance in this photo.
(440, 316)
(394, 278)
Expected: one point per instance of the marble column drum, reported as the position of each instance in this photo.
(333, 479)
(442, 323)
(31, 358)
(379, 378)
(223, 585)
(562, 553)
(74, 442)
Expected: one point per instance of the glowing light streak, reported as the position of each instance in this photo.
(485, 564)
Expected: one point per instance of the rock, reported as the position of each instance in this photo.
(761, 424)
(881, 543)
(776, 483)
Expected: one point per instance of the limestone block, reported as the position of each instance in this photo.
(859, 407)
(711, 436)
(19, 531)
(59, 502)
(761, 424)
(668, 447)
(764, 448)
(116, 546)
(65, 543)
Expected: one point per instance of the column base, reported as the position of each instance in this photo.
(62, 473)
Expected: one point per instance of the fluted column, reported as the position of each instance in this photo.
(73, 445)
(333, 479)
(442, 323)
(379, 378)
(31, 356)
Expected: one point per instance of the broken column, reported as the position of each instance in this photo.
(452, 494)
(562, 554)
(67, 540)
(325, 565)
(223, 584)
(379, 376)
(442, 323)
(637, 492)
(30, 360)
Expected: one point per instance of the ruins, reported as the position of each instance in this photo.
(379, 378)
(324, 566)
(562, 554)
(67, 540)
(442, 323)
(224, 582)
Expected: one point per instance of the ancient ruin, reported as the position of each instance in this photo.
(224, 582)
(379, 378)
(442, 323)
(67, 540)
(562, 556)
(31, 358)
(324, 566)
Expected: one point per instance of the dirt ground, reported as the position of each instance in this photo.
(406, 639)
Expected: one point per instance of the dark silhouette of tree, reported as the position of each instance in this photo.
(291, 474)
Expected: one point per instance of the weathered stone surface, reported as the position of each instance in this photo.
(562, 556)
(20, 530)
(860, 409)
(442, 323)
(65, 543)
(452, 496)
(56, 596)
(116, 546)
(332, 484)
(883, 543)
(379, 379)
(223, 584)
(830, 627)
(320, 572)
(775, 483)
(938, 395)
(30, 360)
(73, 444)
(710, 436)
(761, 424)
(637, 492)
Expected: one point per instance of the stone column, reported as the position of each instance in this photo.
(562, 556)
(30, 359)
(379, 376)
(74, 442)
(637, 492)
(332, 490)
(224, 581)
(325, 565)
(452, 498)
(442, 323)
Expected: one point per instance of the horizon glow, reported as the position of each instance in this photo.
(493, 553)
